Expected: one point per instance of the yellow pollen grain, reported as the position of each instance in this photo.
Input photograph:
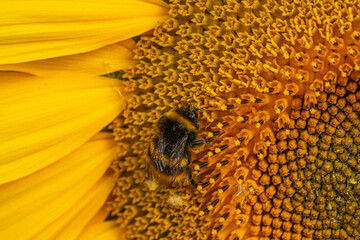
(351, 52)
(251, 190)
(152, 185)
(217, 150)
(183, 162)
(287, 92)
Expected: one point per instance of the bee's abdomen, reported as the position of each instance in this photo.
(164, 168)
(163, 165)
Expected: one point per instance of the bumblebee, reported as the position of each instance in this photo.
(168, 152)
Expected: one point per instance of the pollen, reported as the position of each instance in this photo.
(175, 201)
(183, 162)
(276, 84)
(151, 184)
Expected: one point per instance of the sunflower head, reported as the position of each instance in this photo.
(277, 84)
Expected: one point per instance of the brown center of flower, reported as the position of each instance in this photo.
(276, 83)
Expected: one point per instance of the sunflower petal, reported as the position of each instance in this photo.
(113, 233)
(32, 203)
(97, 229)
(34, 30)
(70, 224)
(100, 61)
(47, 118)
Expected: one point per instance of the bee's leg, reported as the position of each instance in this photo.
(171, 182)
(189, 175)
(151, 175)
(152, 182)
(197, 143)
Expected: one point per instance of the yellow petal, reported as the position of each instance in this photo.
(37, 29)
(30, 204)
(71, 223)
(97, 229)
(46, 118)
(107, 59)
(113, 233)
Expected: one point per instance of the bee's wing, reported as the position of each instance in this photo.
(178, 151)
(157, 155)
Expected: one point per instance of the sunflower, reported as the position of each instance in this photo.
(276, 84)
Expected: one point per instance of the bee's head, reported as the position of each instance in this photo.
(190, 112)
